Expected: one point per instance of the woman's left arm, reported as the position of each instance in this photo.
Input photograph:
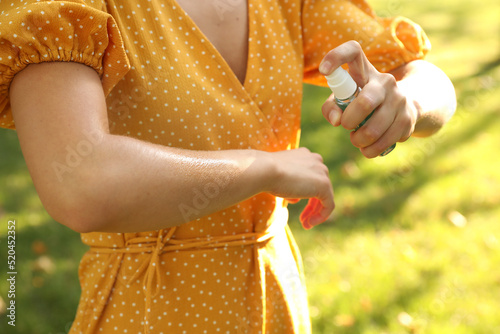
(414, 99)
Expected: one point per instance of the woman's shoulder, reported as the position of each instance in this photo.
(45, 31)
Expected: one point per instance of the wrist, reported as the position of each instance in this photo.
(265, 170)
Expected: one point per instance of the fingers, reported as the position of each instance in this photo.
(300, 174)
(378, 133)
(328, 205)
(312, 181)
(399, 131)
(392, 119)
(389, 118)
(352, 54)
(369, 99)
(331, 111)
(315, 213)
(310, 213)
(318, 209)
(376, 101)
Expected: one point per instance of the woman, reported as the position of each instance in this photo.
(166, 132)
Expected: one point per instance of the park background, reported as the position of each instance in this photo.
(414, 243)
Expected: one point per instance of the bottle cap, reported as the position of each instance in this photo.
(341, 83)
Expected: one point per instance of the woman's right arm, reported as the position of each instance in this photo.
(121, 184)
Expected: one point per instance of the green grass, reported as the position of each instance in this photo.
(390, 260)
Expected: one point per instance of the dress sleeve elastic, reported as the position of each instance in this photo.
(387, 42)
(47, 31)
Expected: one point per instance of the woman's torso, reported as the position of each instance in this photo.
(181, 91)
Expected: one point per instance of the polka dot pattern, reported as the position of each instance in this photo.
(387, 42)
(237, 270)
(57, 31)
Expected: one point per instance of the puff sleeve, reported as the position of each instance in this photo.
(45, 31)
(387, 42)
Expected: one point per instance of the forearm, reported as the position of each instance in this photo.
(121, 184)
(430, 91)
(130, 185)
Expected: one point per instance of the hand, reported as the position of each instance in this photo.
(394, 118)
(301, 174)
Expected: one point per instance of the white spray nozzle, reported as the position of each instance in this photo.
(341, 83)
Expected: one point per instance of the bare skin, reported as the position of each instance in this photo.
(127, 185)
(415, 99)
(225, 24)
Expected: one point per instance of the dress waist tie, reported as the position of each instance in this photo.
(164, 243)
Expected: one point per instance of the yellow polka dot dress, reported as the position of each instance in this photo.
(238, 270)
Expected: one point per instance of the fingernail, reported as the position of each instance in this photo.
(389, 150)
(334, 117)
(325, 67)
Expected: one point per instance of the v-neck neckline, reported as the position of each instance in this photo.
(209, 45)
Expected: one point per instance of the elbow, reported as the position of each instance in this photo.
(76, 215)
(434, 120)
(78, 205)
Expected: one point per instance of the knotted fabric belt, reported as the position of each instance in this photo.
(164, 243)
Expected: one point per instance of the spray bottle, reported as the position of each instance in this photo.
(345, 90)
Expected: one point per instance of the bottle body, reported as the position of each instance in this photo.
(343, 103)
